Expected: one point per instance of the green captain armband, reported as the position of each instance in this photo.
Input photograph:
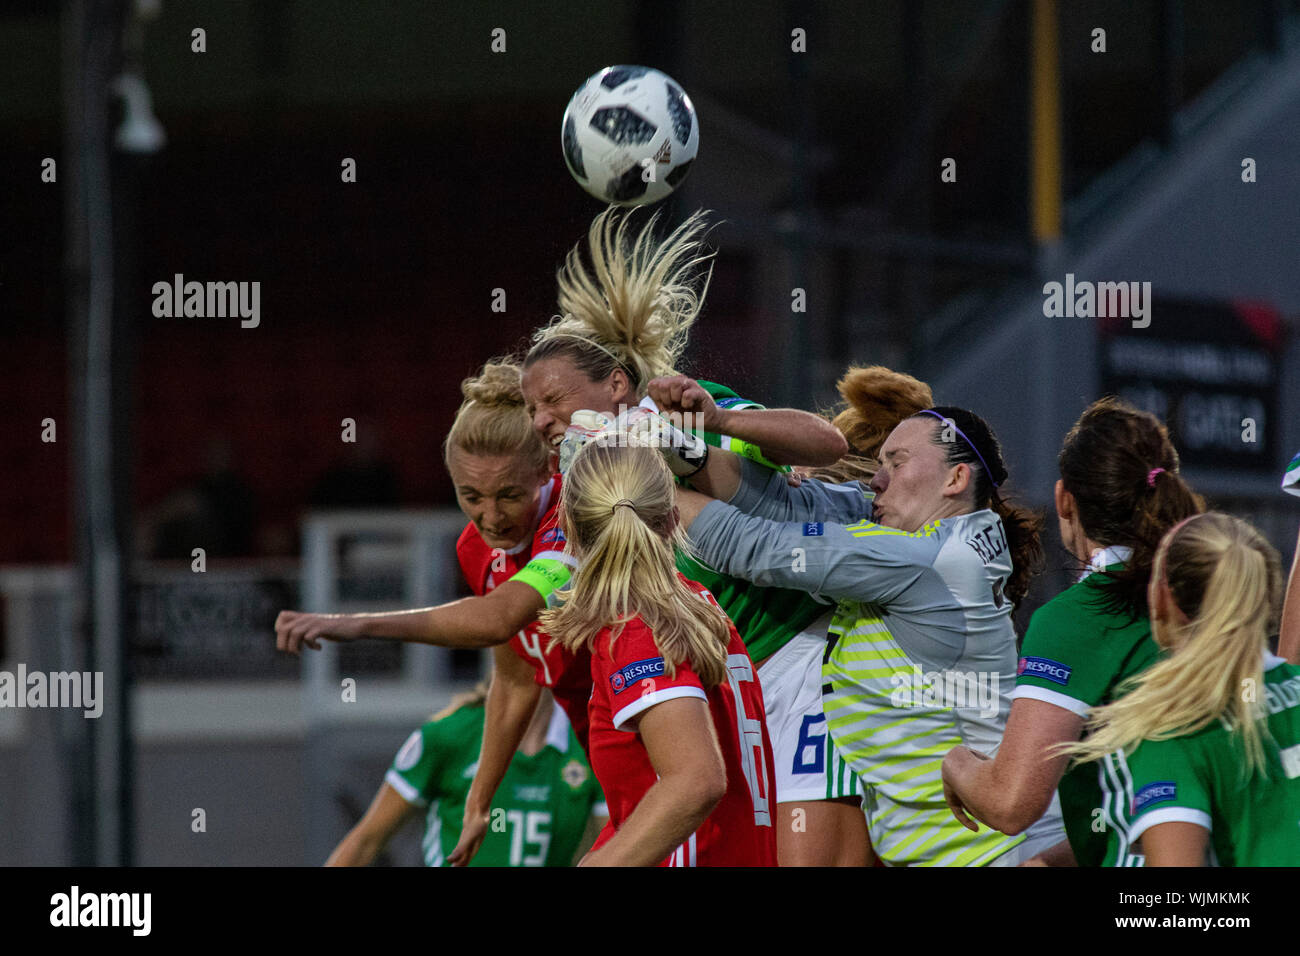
(747, 449)
(738, 446)
(546, 576)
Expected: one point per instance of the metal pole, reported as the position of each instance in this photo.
(92, 37)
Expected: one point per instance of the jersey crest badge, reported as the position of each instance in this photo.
(574, 774)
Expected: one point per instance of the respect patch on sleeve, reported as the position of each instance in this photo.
(628, 676)
(1045, 668)
(1156, 792)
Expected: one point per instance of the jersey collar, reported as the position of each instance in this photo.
(1105, 557)
(557, 733)
(1271, 661)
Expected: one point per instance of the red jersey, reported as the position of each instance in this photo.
(568, 675)
(630, 679)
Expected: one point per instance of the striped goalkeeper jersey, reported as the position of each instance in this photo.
(922, 654)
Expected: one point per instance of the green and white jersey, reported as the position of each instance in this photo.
(922, 655)
(1198, 778)
(766, 618)
(539, 813)
(1076, 651)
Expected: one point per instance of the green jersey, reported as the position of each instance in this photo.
(766, 618)
(1075, 653)
(539, 813)
(1198, 778)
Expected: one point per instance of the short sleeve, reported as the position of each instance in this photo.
(633, 675)
(1063, 660)
(1167, 787)
(415, 769)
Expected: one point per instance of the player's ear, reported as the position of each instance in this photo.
(958, 480)
(620, 389)
(1064, 501)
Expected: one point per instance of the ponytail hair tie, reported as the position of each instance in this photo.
(623, 502)
(1151, 476)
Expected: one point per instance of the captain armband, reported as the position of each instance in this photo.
(547, 576)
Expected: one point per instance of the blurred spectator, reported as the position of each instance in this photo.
(360, 480)
(216, 512)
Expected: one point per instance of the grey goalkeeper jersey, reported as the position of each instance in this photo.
(924, 654)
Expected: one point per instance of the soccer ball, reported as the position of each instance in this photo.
(630, 135)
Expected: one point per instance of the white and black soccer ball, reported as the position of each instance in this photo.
(630, 135)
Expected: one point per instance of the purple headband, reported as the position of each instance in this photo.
(948, 421)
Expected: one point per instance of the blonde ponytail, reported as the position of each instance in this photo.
(617, 507)
(634, 307)
(492, 421)
(1226, 578)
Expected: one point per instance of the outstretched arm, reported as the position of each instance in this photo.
(470, 622)
(786, 436)
(861, 562)
(766, 494)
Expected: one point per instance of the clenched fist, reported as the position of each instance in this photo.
(685, 403)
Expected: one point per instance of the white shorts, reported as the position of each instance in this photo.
(807, 765)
